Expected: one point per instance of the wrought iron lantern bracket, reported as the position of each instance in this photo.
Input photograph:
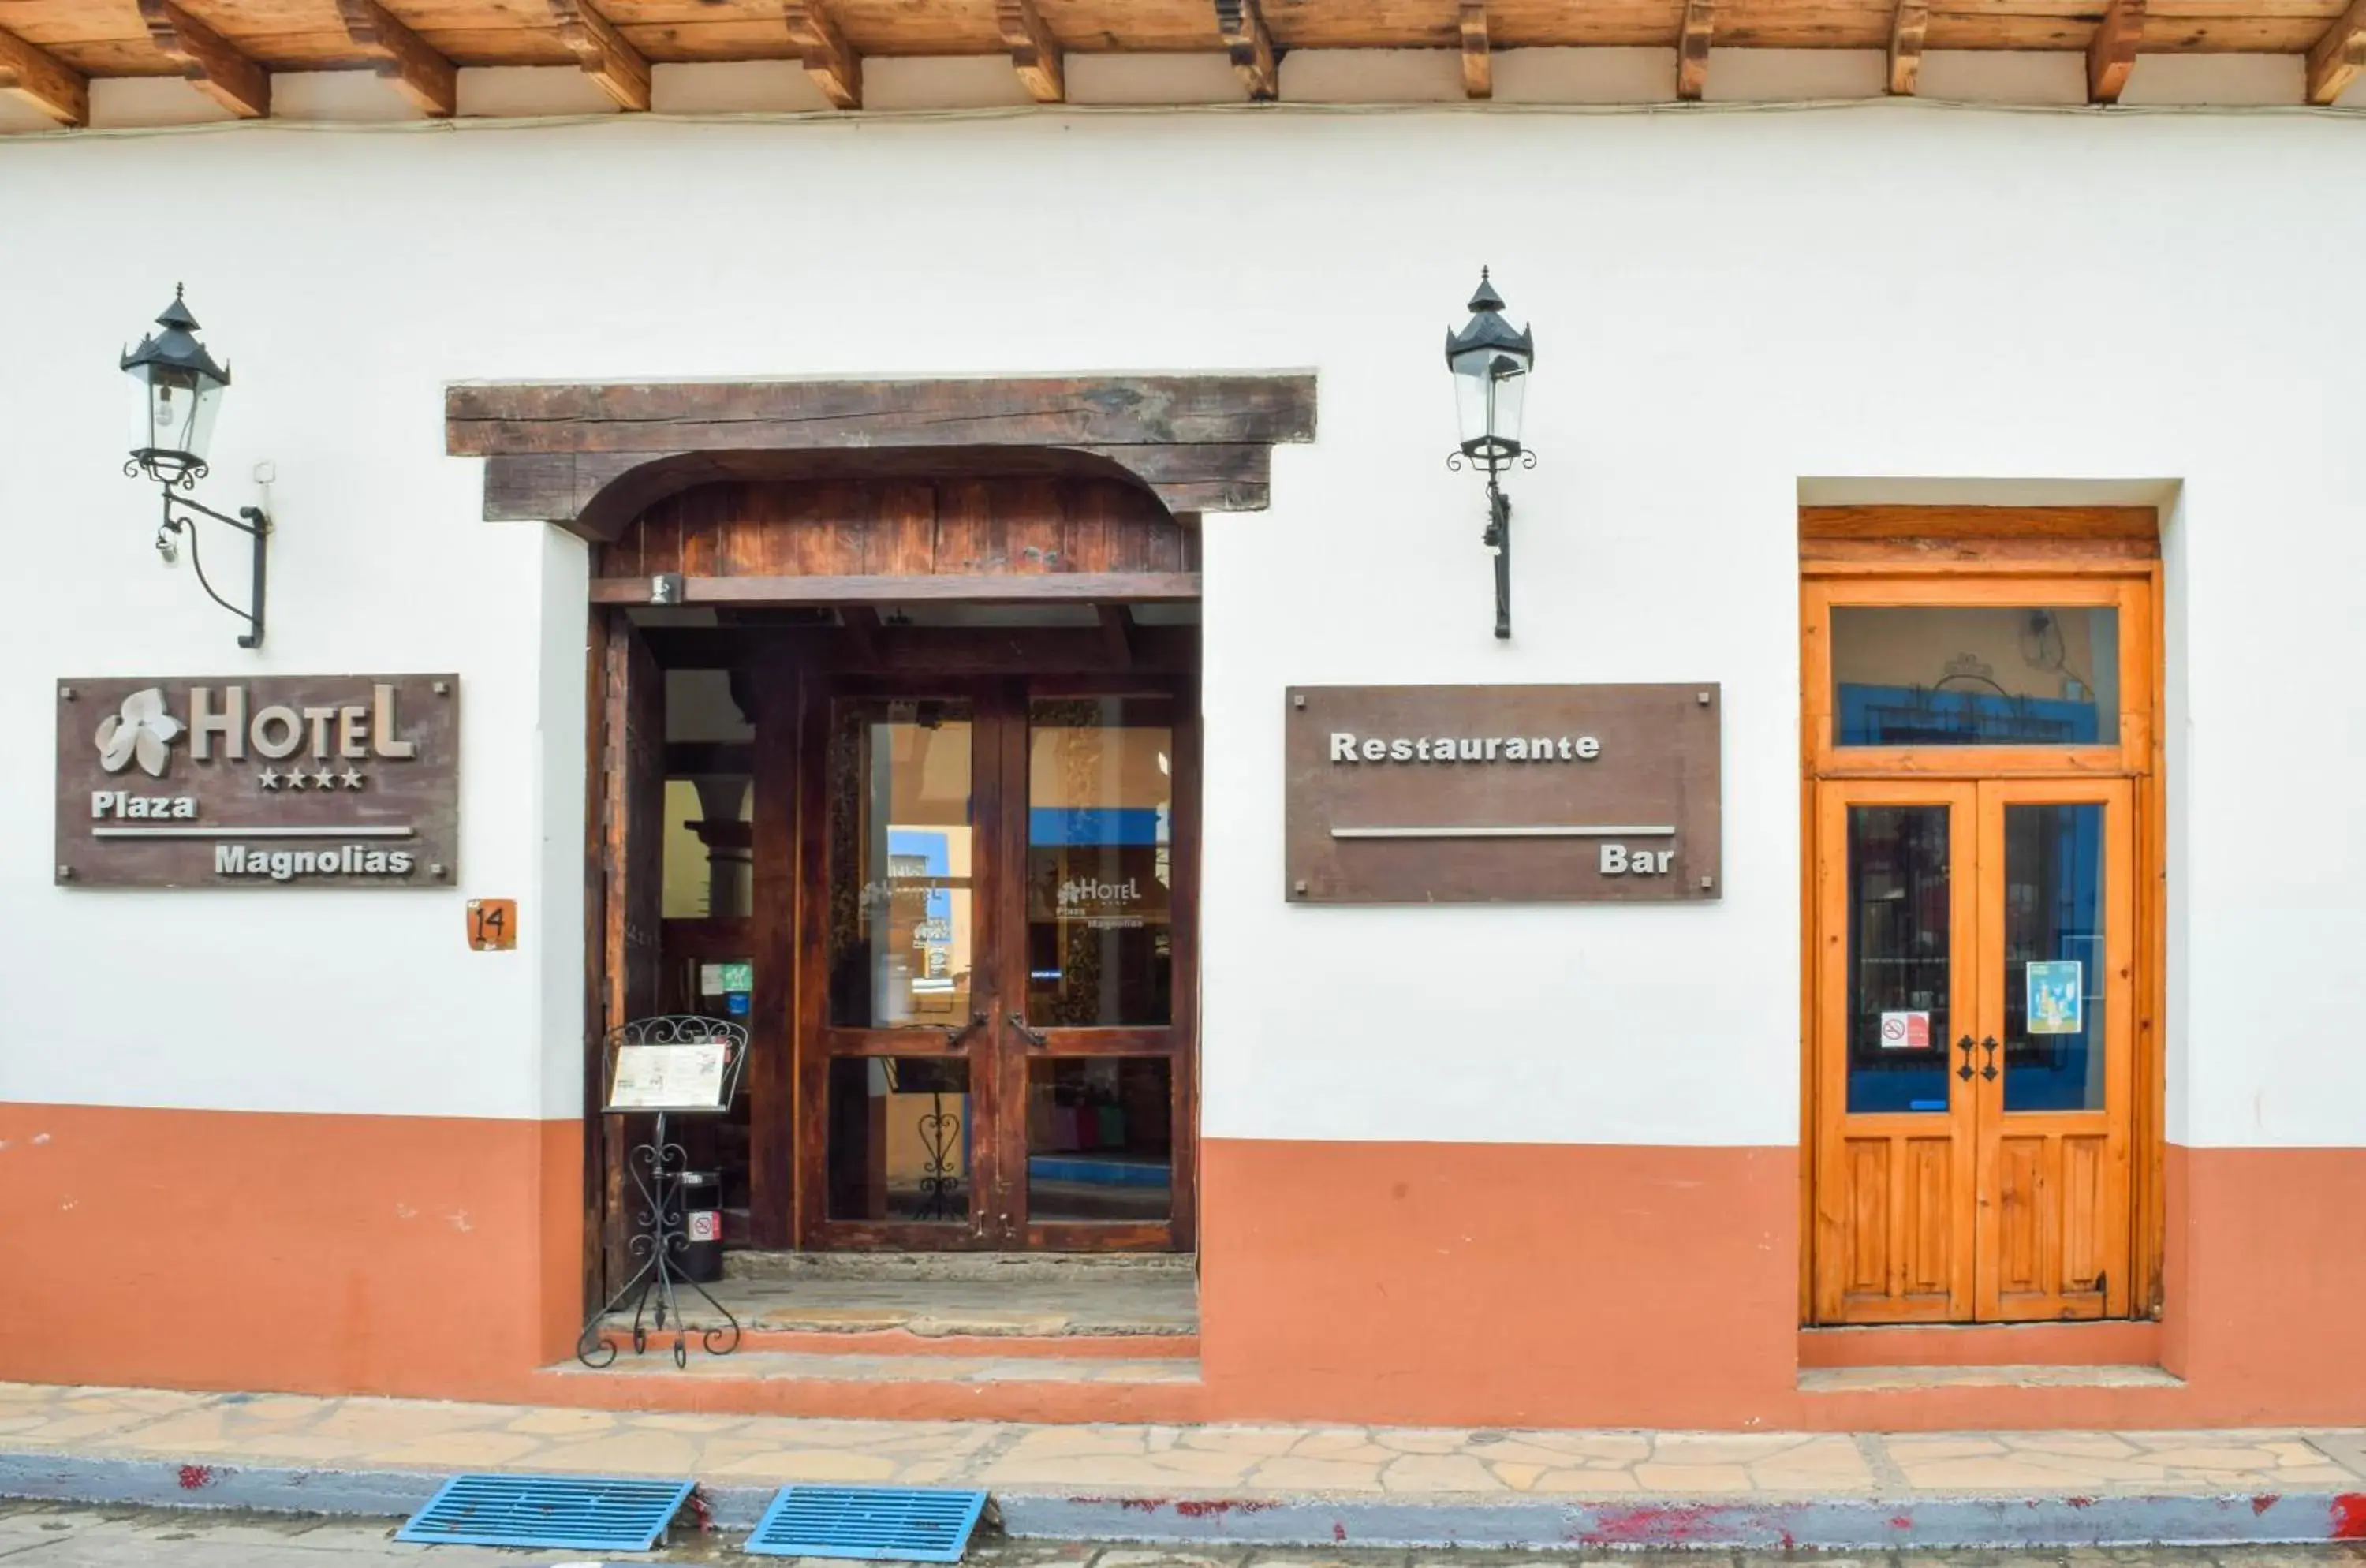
(250, 521)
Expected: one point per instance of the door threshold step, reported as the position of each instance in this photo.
(782, 1365)
(1883, 1380)
(1078, 1268)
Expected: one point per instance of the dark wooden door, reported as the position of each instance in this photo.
(998, 964)
(631, 843)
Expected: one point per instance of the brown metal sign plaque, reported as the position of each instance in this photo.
(289, 781)
(1476, 795)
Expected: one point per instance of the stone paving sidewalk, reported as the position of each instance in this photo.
(1240, 1461)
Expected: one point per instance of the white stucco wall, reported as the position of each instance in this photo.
(1725, 302)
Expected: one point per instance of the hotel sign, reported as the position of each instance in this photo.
(1469, 795)
(292, 781)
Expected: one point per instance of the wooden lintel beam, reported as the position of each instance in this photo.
(827, 58)
(1034, 52)
(1908, 23)
(2339, 55)
(210, 62)
(1692, 49)
(1477, 63)
(44, 81)
(418, 71)
(1008, 588)
(1248, 41)
(1117, 634)
(605, 55)
(2112, 54)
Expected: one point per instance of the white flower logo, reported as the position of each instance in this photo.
(142, 729)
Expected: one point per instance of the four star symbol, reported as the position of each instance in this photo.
(319, 778)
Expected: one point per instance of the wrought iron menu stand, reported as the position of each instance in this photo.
(676, 1064)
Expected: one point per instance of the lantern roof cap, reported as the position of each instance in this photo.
(1487, 329)
(178, 345)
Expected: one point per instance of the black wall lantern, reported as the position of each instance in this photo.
(1491, 364)
(180, 392)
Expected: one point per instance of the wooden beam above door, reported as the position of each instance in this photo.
(1038, 588)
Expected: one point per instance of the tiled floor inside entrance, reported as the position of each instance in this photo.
(958, 1295)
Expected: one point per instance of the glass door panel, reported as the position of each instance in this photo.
(2058, 907)
(903, 938)
(1895, 922)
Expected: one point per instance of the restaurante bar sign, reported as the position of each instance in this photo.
(1468, 795)
(291, 781)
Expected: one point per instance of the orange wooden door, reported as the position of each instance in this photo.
(1896, 920)
(2054, 1091)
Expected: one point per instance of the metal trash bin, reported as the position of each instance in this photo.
(702, 1227)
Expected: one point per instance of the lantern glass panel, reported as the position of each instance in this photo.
(1490, 387)
(176, 410)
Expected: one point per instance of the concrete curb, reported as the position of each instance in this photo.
(1849, 1523)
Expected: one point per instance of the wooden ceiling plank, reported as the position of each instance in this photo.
(1478, 62)
(1907, 25)
(2335, 60)
(1692, 49)
(1034, 52)
(833, 64)
(2112, 54)
(605, 54)
(1250, 43)
(431, 82)
(208, 61)
(44, 81)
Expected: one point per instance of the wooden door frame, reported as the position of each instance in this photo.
(1974, 555)
(1000, 707)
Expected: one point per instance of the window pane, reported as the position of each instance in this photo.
(1100, 866)
(1100, 1138)
(902, 936)
(1899, 962)
(708, 834)
(1962, 675)
(2054, 957)
(899, 1138)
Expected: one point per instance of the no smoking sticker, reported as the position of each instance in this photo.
(1905, 1031)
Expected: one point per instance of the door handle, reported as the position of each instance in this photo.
(1965, 1046)
(955, 1037)
(1032, 1036)
(1988, 1073)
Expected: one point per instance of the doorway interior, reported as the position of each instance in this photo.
(1983, 823)
(937, 850)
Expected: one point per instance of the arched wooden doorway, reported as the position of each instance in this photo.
(865, 563)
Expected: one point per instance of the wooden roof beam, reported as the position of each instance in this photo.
(44, 81)
(417, 71)
(2336, 57)
(2112, 54)
(622, 70)
(1034, 52)
(208, 60)
(1477, 65)
(1692, 49)
(828, 58)
(1907, 25)
(1246, 39)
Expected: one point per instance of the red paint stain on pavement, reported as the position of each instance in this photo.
(2350, 1517)
(1217, 1508)
(1901, 1521)
(194, 1476)
(1339, 1532)
(2262, 1502)
(1652, 1524)
(2079, 1501)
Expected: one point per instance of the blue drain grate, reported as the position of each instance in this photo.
(898, 1523)
(588, 1511)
